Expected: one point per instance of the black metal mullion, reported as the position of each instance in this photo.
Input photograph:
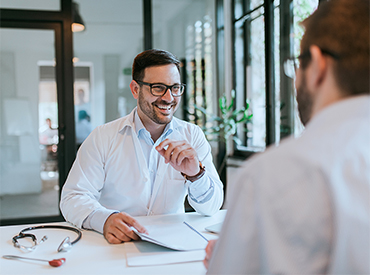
(30, 15)
(147, 20)
(286, 84)
(247, 61)
(269, 71)
(65, 81)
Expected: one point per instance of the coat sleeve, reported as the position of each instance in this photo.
(210, 179)
(81, 191)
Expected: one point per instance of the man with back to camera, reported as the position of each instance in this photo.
(303, 207)
(144, 163)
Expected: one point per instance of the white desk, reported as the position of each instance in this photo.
(93, 254)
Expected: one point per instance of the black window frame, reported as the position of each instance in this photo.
(286, 87)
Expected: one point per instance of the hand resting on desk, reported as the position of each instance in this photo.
(117, 228)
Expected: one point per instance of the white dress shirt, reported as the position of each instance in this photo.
(200, 190)
(304, 206)
(112, 173)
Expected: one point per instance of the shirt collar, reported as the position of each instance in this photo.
(141, 131)
(128, 121)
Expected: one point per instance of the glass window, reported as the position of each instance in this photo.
(29, 178)
(187, 28)
(31, 5)
(249, 56)
(250, 67)
(103, 56)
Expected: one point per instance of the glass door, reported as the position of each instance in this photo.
(29, 137)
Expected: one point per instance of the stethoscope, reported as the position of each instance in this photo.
(65, 246)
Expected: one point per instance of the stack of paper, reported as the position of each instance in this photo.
(163, 258)
(177, 236)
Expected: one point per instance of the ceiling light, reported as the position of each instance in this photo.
(78, 24)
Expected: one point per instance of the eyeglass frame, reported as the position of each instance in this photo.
(168, 87)
(293, 62)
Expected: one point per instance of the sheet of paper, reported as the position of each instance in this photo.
(162, 258)
(215, 228)
(177, 236)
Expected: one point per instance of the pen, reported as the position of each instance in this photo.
(196, 231)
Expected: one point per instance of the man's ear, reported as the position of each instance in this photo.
(134, 89)
(318, 67)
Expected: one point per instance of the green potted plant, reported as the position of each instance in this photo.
(223, 127)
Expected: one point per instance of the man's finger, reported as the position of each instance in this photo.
(134, 223)
(112, 239)
(122, 233)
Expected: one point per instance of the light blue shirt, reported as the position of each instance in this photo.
(200, 190)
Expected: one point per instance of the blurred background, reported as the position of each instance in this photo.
(59, 81)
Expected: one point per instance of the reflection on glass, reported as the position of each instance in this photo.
(199, 72)
(48, 127)
(82, 106)
(103, 56)
(28, 126)
(188, 33)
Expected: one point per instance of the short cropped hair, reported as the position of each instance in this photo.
(150, 58)
(342, 27)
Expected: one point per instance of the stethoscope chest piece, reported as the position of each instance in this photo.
(65, 246)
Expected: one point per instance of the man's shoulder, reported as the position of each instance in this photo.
(115, 126)
(182, 125)
(283, 157)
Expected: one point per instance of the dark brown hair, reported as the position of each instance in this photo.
(150, 58)
(342, 27)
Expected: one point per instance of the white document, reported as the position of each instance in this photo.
(177, 236)
(162, 258)
(215, 228)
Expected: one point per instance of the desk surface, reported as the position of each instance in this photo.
(93, 254)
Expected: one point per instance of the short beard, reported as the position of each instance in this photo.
(305, 102)
(148, 109)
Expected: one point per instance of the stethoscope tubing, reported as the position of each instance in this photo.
(76, 230)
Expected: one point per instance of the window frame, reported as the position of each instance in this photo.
(242, 151)
(286, 85)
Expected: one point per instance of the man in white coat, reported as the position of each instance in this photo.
(304, 207)
(145, 163)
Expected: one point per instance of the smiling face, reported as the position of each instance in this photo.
(157, 111)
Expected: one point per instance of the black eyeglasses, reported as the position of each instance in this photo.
(160, 89)
(291, 65)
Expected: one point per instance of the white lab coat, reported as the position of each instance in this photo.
(110, 174)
